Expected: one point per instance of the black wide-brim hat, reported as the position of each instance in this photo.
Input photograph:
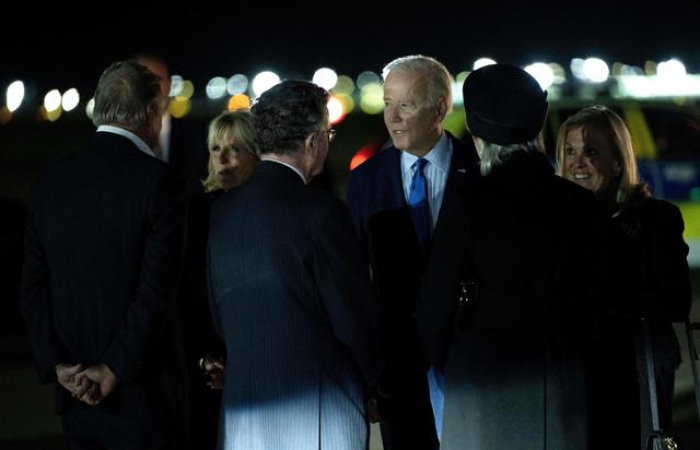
(504, 104)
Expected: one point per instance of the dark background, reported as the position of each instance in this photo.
(66, 47)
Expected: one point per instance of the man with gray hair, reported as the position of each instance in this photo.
(400, 200)
(101, 264)
(289, 295)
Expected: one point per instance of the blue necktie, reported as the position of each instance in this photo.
(418, 203)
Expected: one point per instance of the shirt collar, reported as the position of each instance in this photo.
(272, 159)
(439, 156)
(129, 135)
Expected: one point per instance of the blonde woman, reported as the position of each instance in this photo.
(646, 260)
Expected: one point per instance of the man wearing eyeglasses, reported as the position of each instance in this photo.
(399, 200)
(289, 292)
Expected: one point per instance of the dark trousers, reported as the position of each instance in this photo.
(135, 424)
(408, 422)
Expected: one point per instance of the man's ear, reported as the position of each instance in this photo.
(310, 142)
(442, 109)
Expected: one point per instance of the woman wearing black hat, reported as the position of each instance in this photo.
(513, 355)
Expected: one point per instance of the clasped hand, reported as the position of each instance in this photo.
(89, 385)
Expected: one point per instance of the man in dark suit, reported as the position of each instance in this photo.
(399, 200)
(101, 263)
(182, 142)
(289, 291)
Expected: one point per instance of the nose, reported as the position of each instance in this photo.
(224, 156)
(392, 113)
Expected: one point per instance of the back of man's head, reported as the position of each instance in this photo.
(127, 94)
(286, 114)
(435, 76)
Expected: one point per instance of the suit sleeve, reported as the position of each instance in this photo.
(35, 304)
(145, 318)
(340, 271)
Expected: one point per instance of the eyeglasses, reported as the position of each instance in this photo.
(331, 132)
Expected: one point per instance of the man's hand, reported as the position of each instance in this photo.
(70, 378)
(213, 367)
(103, 383)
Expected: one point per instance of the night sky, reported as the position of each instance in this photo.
(56, 48)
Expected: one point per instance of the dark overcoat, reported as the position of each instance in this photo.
(515, 375)
(291, 298)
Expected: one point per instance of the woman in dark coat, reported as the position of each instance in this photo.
(232, 158)
(646, 260)
(514, 372)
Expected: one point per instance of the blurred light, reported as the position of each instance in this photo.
(70, 99)
(372, 98)
(90, 108)
(462, 76)
(14, 95)
(237, 84)
(216, 88)
(52, 100)
(457, 96)
(345, 85)
(5, 115)
(367, 78)
(596, 70)
(671, 69)
(264, 81)
(348, 102)
(559, 73)
(657, 86)
(54, 115)
(650, 68)
(240, 101)
(577, 68)
(365, 153)
(180, 106)
(542, 73)
(176, 85)
(326, 78)
(187, 90)
(336, 110)
(483, 62)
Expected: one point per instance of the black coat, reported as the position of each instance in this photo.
(292, 300)
(515, 377)
(648, 277)
(102, 255)
(381, 216)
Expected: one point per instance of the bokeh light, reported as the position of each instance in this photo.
(372, 98)
(264, 81)
(326, 78)
(14, 95)
(52, 100)
(542, 73)
(70, 99)
(483, 62)
(240, 101)
(216, 88)
(237, 84)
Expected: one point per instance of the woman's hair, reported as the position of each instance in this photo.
(610, 125)
(493, 155)
(241, 127)
(631, 192)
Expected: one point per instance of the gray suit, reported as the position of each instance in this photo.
(291, 298)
